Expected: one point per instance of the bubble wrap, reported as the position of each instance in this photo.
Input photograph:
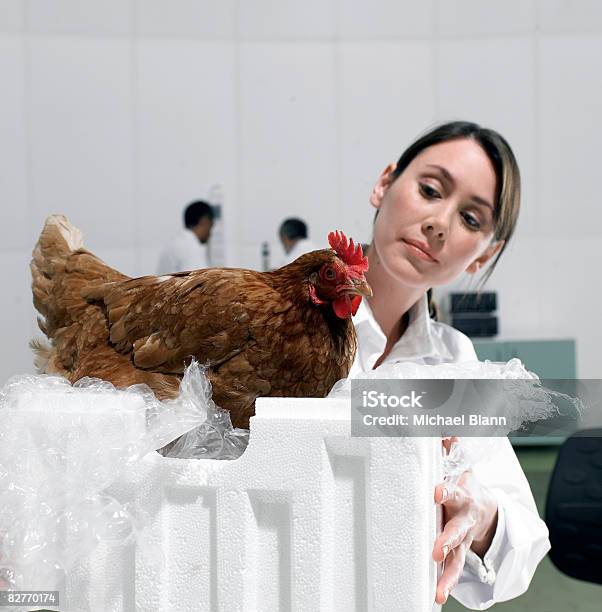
(61, 446)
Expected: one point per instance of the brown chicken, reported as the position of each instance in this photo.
(281, 333)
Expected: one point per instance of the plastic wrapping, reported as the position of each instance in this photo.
(513, 369)
(61, 446)
(527, 402)
(216, 438)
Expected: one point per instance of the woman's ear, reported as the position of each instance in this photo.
(383, 183)
(491, 251)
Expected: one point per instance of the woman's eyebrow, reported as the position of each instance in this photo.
(446, 175)
(450, 179)
(479, 200)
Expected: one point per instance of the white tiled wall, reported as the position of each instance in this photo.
(385, 19)
(463, 18)
(561, 16)
(100, 18)
(570, 127)
(118, 113)
(184, 122)
(287, 19)
(206, 19)
(14, 219)
(12, 15)
(80, 134)
(287, 138)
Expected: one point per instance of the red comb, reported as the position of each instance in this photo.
(351, 254)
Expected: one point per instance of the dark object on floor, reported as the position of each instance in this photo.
(574, 507)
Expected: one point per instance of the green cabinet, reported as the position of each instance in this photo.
(549, 359)
(546, 358)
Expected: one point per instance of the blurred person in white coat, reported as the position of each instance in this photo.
(448, 206)
(294, 239)
(188, 250)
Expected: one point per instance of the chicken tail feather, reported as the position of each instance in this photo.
(42, 353)
(60, 268)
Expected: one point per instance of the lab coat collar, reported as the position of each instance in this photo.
(419, 341)
(189, 236)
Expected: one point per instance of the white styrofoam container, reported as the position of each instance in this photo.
(308, 519)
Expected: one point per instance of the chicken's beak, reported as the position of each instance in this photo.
(359, 286)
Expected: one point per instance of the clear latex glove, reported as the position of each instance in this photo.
(470, 515)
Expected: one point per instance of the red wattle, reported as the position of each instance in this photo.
(345, 307)
(342, 307)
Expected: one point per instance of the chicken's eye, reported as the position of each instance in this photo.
(330, 274)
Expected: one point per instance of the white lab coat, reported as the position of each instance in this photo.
(302, 246)
(183, 253)
(521, 539)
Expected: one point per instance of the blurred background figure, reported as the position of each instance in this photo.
(188, 250)
(293, 236)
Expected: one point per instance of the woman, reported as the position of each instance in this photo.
(450, 205)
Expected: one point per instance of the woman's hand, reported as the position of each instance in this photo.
(470, 521)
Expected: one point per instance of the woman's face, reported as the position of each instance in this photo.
(436, 219)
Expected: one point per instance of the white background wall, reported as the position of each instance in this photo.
(118, 112)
